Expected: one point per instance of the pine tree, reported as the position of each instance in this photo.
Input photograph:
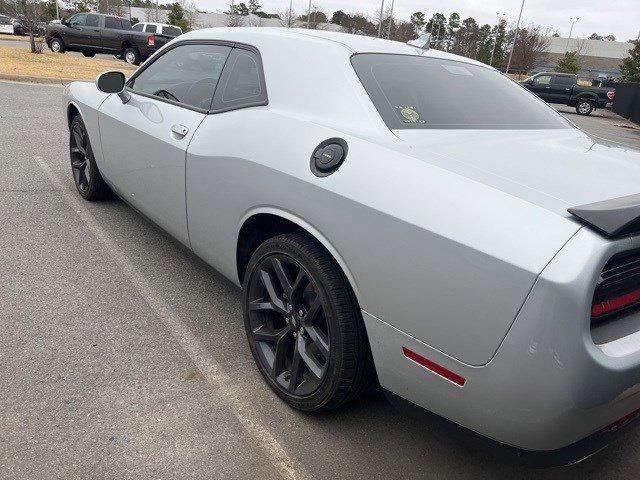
(570, 63)
(176, 17)
(630, 68)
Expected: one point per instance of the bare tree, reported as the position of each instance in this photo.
(287, 17)
(31, 12)
(530, 48)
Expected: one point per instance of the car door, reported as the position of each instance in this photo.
(541, 85)
(112, 34)
(560, 90)
(91, 32)
(72, 31)
(144, 140)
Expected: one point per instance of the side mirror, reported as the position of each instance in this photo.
(113, 82)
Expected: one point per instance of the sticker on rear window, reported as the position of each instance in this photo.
(457, 70)
(409, 114)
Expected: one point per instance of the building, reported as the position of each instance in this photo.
(599, 59)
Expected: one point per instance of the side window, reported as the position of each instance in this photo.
(242, 84)
(542, 80)
(138, 27)
(78, 20)
(563, 80)
(187, 74)
(151, 28)
(112, 22)
(93, 21)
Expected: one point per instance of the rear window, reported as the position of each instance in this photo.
(138, 27)
(415, 92)
(151, 28)
(564, 80)
(4, 20)
(171, 31)
(112, 22)
(93, 21)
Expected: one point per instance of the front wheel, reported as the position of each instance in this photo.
(131, 56)
(303, 324)
(56, 45)
(86, 176)
(584, 107)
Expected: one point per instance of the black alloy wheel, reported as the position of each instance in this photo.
(288, 326)
(303, 325)
(86, 175)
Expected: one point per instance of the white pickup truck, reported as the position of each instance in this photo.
(158, 29)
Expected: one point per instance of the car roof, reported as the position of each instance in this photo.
(351, 42)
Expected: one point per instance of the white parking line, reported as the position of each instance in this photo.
(207, 365)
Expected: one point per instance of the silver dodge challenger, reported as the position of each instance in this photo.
(391, 212)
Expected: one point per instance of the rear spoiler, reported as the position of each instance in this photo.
(617, 216)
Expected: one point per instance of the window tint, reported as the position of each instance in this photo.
(564, 80)
(542, 80)
(138, 27)
(112, 22)
(78, 20)
(171, 31)
(413, 92)
(187, 74)
(93, 20)
(151, 28)
(243, 82)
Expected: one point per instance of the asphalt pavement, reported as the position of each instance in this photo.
(124, 356)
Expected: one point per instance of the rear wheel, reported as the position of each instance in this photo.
(131, 55)
(56, 45)
(584, 107)
(86, 175)
(303, 325)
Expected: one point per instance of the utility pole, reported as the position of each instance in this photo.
(515, 38)
(380, 22)
(573, 21)
(57, 11)
(290, 13)
(309, 16)
(129, 11)
(158, 15)
(390, 20)
(500, 19)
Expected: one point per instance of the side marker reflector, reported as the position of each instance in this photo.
(434, 367)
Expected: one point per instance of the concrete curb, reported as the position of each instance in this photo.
(32, 79)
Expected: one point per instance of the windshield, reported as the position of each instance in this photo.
(414, 92)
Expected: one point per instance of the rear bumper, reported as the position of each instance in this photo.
(548, 386)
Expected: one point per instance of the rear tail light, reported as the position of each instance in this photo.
(611, 94)
(618, 289)
(151, 40)
(614, 304)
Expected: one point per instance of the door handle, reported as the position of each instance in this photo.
(179, 130)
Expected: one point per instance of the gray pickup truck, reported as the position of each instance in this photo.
(563, 88)
(92, 33)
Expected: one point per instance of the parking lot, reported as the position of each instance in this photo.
(124, 356)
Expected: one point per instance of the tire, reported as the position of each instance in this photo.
(131, 55)
(584, 107)
(89, 54)
(56, 45)
(86, 175)
(318, 323)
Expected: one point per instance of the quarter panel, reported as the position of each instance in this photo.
(440, 257)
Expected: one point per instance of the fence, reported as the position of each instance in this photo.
(627, 102)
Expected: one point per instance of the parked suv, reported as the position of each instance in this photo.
(92, 33)
(563, 88)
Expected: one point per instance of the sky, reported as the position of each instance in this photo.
(618, 17)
